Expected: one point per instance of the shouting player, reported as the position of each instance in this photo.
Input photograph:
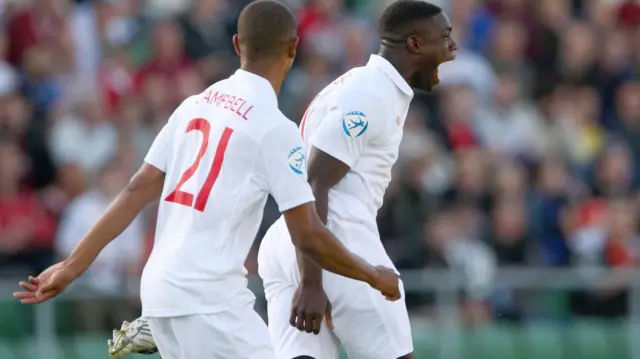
(214, 163)
(353, 130)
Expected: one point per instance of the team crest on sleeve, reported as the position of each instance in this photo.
(297, 160)
(355, 123)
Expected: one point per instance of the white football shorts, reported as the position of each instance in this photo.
(366, 324)
(237, 333)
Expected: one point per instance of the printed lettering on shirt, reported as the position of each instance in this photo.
(354, 123)
(297, 159)
(235, 104)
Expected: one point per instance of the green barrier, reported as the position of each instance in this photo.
(16, 320)
(584, 340)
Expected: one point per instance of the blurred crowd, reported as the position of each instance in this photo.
(528, 154)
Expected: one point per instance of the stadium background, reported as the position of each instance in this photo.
(516, 187)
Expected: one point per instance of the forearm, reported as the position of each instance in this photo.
(310, 272)
(122, 211)
(327, 252)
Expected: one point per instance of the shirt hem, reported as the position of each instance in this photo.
(163, 313)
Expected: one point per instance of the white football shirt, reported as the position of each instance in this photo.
(358, 119)
(223, 151)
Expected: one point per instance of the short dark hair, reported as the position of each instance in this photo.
(399, 18)
(265, 28)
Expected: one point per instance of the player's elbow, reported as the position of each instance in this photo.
(309, 241)
(145, 186)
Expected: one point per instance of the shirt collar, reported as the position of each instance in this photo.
(385, 66)
(259, 83)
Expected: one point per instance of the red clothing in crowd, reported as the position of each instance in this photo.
(25, 30)
(629, 13)
(461, 136)
(618, 254)
(25, 206)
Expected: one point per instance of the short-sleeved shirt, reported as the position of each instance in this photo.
(223, 151)
(359, 119)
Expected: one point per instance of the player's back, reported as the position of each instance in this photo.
(213, 196)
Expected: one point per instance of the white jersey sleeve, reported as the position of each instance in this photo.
(160, 151)
(355, 120)
(284, 160)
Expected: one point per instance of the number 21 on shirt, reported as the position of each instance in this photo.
(185, 198)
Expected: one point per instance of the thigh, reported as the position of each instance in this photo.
(246, 334)
(238, 333)
(288, 341)
(367, 325)
(165, 336)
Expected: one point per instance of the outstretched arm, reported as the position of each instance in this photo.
(145, 186)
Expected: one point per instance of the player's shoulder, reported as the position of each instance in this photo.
(278, 125)
(356, 98)
(186, 107)
(358, 85)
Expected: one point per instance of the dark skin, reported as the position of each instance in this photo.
(308, 233)
(416, 57)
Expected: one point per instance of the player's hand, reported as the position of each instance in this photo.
(47, 285)
(308, 308)
(387, 282)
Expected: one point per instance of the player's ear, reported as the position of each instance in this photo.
(236, 44)
(414, 44)
(293, 48)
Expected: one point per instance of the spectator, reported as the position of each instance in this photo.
(41, 87)
(168, 58)
(614, 69)
(578, 54)
(42, 24)
(26, 227)
(583, 137)
(207, 29)
(510, 181)
(457, 111)
(509, 126)
(73, 135)
(628, 118)
(509, 237)
(550, 198)
(9, 80)
(614, 173)
(115, 79)
(452, 245)
(471, 181)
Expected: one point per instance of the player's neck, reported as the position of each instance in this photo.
(268, 71)
(399, 60)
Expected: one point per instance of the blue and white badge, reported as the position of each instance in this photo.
(297, 161)
(354, 123)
